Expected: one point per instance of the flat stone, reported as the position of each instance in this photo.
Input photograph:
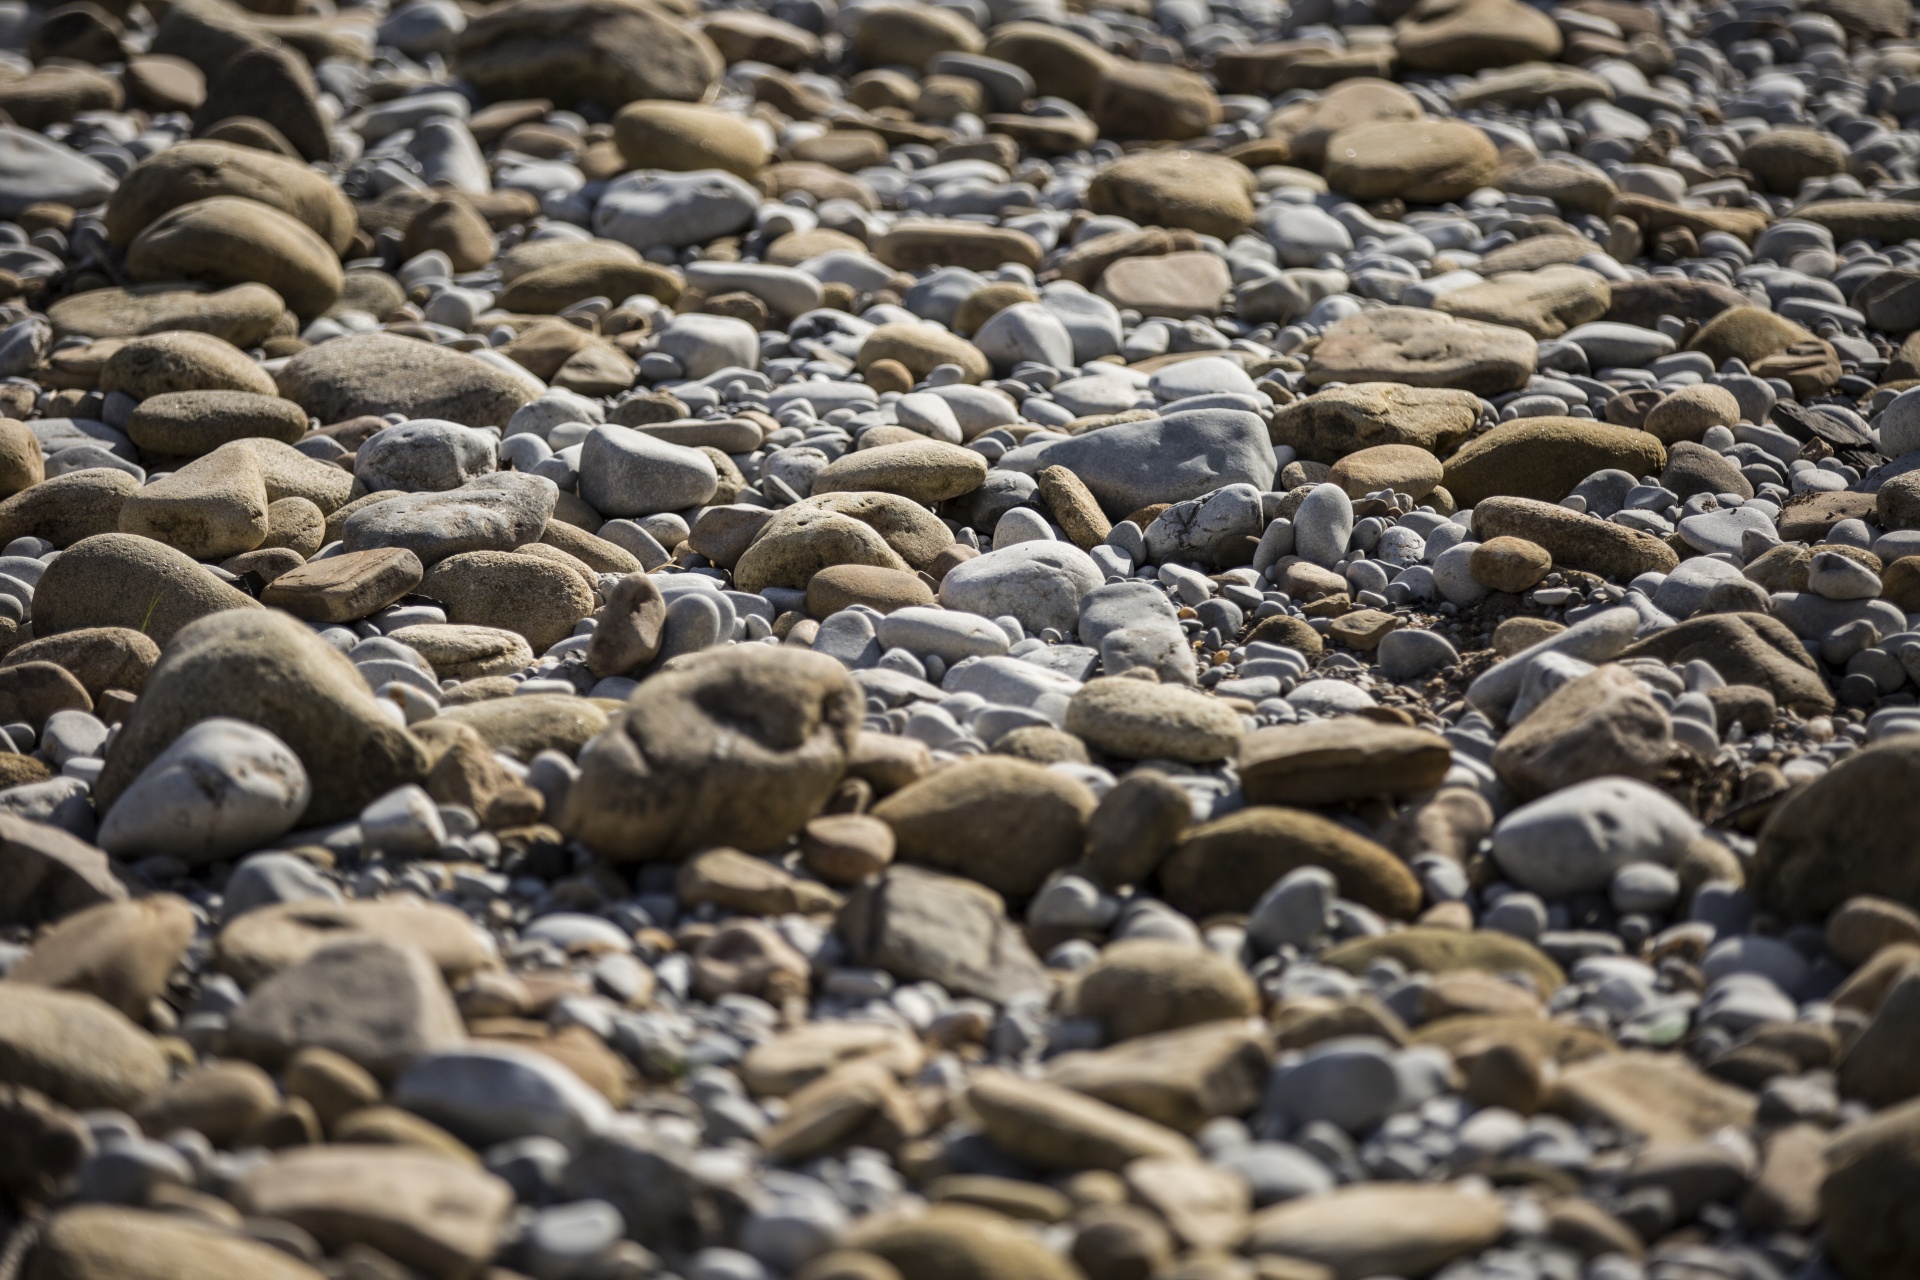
(1423, 349)
(1329, 761)
(1373, 1230)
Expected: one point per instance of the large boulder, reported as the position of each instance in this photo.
(1170, 459)
(1847, 833)
(269, 669)
(608, 52)
(376, 373)
(736, 746)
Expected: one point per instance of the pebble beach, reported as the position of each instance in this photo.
(959, 640)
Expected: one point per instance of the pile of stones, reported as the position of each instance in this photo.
(978, 640)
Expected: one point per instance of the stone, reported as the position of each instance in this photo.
(1544, 458)
(1658, 1097)
(242, 315)
(125, 580)
(269, 939)
(1865, 1161)
(38, 170)
(1177, 286)
(1423, 161)
(1145, 986)
(1402, 468)
(535, 598)
(654, 785)
(1574, 839)
(212, 508)
(1153, 102)
(1182, 455)
(1181, 1078)
(1574, 541)
(497, 512)
(803, 540)
(919, 925)
(440, 1216)
(122, 952)
(528, 724)
(50, 874)
(1604, 722)
(1054, 1128)
(1745, 648)
(193, 423)
(76, 1049)
(200, 170)
(610, 52)
(925, 471)
(677, 135)
(915, 246)
(97, 1241)
(1142, 721)
(1509, 564)
(1440, 951)
(378, 1003)
(1830, 841)
(22, 461)
(1228, 863)
(1545, 303)
(1329, 424)
(1423, 349)
(921, 348)
(224, 787)
(67, 508)
(1878, 1067)
(228, 240)
(345, 587)
(1377, 1229)
(1329, 761)
(1746, 333)
(376, 373)
(182, 361)
(1005, 823)
(1040, 583)
(954, 1242)
(264, 668)
(1199, 193)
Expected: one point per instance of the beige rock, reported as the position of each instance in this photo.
(226, 240)
(1604, 722)
(108, 1242)
(1143, 986)
(270, 939)
(1423, 161)
(1003, 822)
(658, 784)
(682, 136)
(1138, 720)
(439, 1216)
(76, 1049)
(1181, 1078)
(1329, 761)
(1054, 1128)
(1545, 303)
(212, 508)
(182, 361)
(1380, 1229)
(508, 591)
(122, 952)
(1201, 193)
(1657, 1097)
(1228, 863)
